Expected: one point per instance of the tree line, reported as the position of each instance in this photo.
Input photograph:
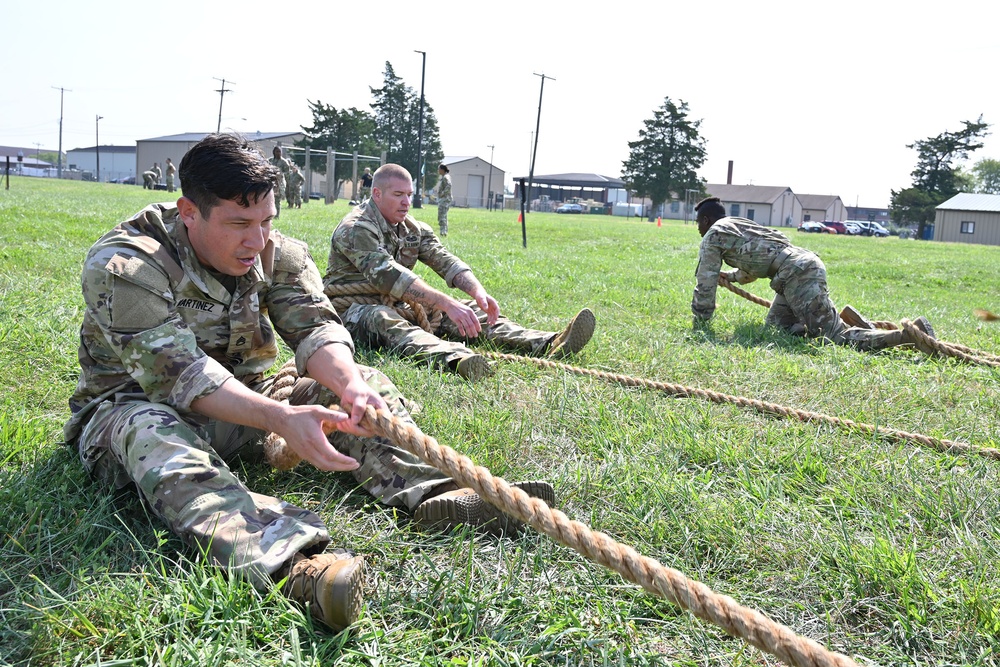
(393, 126)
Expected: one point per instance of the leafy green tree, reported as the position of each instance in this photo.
(397, 127)
(936, 174)
(986, 175)
(663, 162)
(345, 130)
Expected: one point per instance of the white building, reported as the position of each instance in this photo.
(117, 162)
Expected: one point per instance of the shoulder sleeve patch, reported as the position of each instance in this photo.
(291, 256)
(141, 272)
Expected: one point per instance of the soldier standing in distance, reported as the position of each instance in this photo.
(171, 172)
(184, 306)
(283, 166)
(378, 244)
(444, 198)
(801, 304)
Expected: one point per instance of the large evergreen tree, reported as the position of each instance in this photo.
(345, 130)
(936, 178)
(397, 127)
(663, 163)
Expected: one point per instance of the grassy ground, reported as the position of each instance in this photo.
(883, 551)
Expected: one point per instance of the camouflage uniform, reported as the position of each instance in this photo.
(171, 171)
(159, 332)
(283, 166)
(149, 180)
(798, 278)
(366, 186)
(368, 250)
(295, 181)
(444, 203)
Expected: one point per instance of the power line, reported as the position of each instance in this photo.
(62, 91)
(222, 93)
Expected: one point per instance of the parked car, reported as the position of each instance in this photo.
(872, 229)
(816, 227)
(570, 208)
(839, 227)
(852, 228)
(128, 180)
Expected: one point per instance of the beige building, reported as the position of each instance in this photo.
(773, 206)
(174, 146)
(818, 208)
(968, 218)
(472, 179)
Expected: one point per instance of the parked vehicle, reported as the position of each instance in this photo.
(570, 208)
(816, 227)
(839, 227)
(871, 229)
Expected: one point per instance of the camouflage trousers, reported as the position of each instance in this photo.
(170, 183)
(443, 216)
(294, 196)
(178, 466)
(381, 327)
(803, 298)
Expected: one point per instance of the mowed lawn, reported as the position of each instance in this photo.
(884, 551)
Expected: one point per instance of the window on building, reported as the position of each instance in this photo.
(734, 210)
(749, 214)
(675, 207)
(968, 227)
(807, 217)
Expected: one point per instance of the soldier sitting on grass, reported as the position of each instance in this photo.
(378, 244)
(183, 306)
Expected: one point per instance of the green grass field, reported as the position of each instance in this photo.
(883, 551)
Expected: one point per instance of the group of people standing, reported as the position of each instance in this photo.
(151, 177)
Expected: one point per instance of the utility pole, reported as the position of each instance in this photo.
(538, 122)
(222, 93)
(97, 145)
(417, 198)
(489, 182)
(62, 91)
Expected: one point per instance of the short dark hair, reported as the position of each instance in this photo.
(443, 167)
(225, 167)
(710, 207)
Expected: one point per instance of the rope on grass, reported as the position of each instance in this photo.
(344, 296)
(940, 347)
(748, 624)
(765, 407)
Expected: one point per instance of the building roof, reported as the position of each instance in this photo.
(751, 194)
(576, 180)
(104, 149)
(198, 136)
(965, 201)
(818, 201)
(465, 158)
(33, 150)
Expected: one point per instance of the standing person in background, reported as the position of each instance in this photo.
(444, 198)
(171, 172)
(158, 172)
(366, 185)
(283, 166)
(294, 186)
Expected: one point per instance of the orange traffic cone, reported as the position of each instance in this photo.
(519, 217)
(659, 222)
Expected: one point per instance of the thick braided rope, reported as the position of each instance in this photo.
(279, 454)
(943, 348)
(747, 624)
(949, 446)
(344, 296)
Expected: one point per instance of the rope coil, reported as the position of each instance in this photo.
(345, 295)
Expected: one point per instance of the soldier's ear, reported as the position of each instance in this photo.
(187, 210)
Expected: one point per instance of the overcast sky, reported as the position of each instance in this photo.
(822, 98)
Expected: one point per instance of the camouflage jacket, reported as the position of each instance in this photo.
(366, 248)
(740, 243)
(444, 189)
(159, 326)
(283, 166)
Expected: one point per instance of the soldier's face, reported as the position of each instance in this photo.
(393, 201)
(232, 236)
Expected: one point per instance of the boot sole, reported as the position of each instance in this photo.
(581, 330)
(346, 595)
(446, 512)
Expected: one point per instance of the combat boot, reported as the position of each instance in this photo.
(473, 367)
(853, 318)
(465, 506)
(573, 338)
(329, 585)
(923, 325)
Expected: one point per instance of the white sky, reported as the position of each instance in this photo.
(821, 97)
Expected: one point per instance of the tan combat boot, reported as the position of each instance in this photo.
(465, 506)
(576, 334)
(853, 318)
(329, 585)
(473, 367)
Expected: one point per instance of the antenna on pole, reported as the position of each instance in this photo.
(222, 93)
(534, 151)
(59, 159)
